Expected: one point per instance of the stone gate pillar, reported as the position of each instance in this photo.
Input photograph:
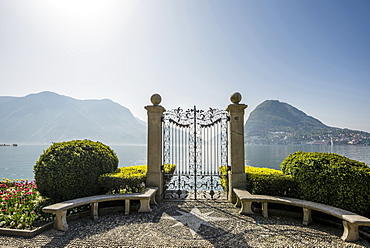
(237, 177)
(154, 177)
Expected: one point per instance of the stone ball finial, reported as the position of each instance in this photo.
(156, 99)
(236, 98)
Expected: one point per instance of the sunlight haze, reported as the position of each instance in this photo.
(314, 55)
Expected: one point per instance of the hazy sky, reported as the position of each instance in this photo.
(314, 55)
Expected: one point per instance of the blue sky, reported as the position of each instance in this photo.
(314, 55)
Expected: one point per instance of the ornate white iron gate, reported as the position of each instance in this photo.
(196, 142)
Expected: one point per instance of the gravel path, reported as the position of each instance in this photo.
(187, 224)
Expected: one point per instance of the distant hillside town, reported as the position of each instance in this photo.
(277, 123)
(340, 137)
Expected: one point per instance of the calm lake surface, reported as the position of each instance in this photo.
(17, 162)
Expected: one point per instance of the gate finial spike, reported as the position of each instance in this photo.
(156, 99)
(236, 97)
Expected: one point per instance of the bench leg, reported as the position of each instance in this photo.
(61, 220)
(145, 206)
(246, 207)
(307, 216)
(127, 207)
(152, 200)
(94, 210)
(237, 203)
(265, 210)
(350, 232)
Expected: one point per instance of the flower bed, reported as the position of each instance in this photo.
(20, 204)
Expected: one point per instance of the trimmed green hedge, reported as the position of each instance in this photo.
(265, 181)
(270, 182)
(331, 179)
(69, 170)
(128, 179)
(291, 163)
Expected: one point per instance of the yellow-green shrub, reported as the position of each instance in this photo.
(265, 181)
(224, 174)
(128, 179)
(268, 181)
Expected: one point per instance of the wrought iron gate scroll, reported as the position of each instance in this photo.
(196, 142)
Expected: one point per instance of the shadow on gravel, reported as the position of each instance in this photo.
(196, 224)
(199, 221)
(87, 228)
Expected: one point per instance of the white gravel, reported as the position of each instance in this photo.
(220, 226)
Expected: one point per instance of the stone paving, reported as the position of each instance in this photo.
(187, 224)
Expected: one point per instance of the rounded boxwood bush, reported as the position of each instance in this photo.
(331, 179)
(69, 170)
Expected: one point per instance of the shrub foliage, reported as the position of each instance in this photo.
(69, 170)
(331, 179)
(265, 181)
(270, 182)
(128, 179)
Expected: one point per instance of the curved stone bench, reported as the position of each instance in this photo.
(146, 198)
(351, 221)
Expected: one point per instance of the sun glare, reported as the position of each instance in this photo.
(87, 11)
(82, 25)
(81, 9)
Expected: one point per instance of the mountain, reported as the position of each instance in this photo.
(48, 117)
(276, 116)
(275, 122)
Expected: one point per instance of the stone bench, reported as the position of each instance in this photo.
(146, 198)
(351, 221)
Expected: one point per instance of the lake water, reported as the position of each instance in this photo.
(17, 162)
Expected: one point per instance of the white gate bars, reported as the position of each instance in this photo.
(196, 142)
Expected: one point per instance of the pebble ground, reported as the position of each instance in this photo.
(204, 224)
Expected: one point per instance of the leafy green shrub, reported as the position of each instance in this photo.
(128, 179)
(69, 170)
(270, 182)
(331, 179)
(265, 181)
(291, 163)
